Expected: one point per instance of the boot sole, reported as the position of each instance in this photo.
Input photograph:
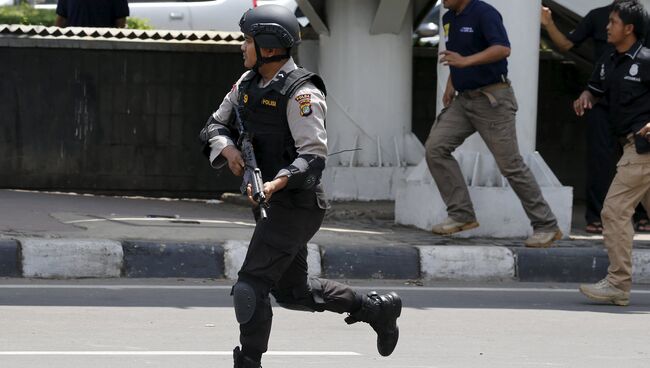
(457, 229)
(397, 306)
(603, 299)
(558, 235)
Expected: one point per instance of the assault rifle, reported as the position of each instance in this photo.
(252, 173)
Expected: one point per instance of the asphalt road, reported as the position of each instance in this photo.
(190, 324)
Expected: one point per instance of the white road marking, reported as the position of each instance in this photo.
(176, 221)
(226, 287)
(160, 353)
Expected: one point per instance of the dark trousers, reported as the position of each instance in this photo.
(603, 152)
(276, 263)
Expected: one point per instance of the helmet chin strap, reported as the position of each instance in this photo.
(264, 60)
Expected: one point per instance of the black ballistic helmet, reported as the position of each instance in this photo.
(271, 26)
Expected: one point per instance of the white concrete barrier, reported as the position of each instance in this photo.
(466, 263)
(235, 253)
(71, 258)
(641, 266)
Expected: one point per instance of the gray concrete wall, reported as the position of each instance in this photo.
(111, 119)
(122, 117)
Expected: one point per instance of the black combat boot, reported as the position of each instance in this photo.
(381, 312)
(243, 362)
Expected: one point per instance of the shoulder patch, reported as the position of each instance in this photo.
(304, 101)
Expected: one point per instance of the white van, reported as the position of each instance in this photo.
(214, 15)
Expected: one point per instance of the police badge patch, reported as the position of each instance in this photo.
(305, 104)
(634, 70)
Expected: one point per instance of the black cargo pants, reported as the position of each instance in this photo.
(276, 263)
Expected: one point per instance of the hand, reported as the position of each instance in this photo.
(645, 132)
(547, 17)
(584, 102)
(448, 96)
(270, 187)
(235, 161)
(454, 59)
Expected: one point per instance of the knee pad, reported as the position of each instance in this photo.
(245, 300)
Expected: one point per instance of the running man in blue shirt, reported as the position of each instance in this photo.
(479, 98)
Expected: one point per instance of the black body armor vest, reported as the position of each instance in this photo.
(265, 117)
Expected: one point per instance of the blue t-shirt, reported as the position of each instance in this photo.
(476, 28)
(92, 13)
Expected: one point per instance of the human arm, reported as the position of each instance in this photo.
(449, 94)
(492, 30)
(306, 111)
(60, 21)
(645, 132)
(120, 23)
(595, 89)
(489, 55)
(585, 102)
(558, 38)
(61, 14)
(219, 134)
(120, 12)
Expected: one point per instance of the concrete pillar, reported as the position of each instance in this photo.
(369, 83)
(497, 208)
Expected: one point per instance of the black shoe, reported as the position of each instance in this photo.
(243, 362)
(381, 312)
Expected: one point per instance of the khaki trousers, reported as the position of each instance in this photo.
(631, 185)
(492, 115)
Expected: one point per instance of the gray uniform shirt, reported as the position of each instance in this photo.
(308, 131)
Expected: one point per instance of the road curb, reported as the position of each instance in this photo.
(10, 262)
(71, 258)
(641, 266)
(235, 252)
(466, 263)
(561, 264)
(173, 259)
(101, 258)
(370, 262)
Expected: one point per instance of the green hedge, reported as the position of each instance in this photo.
(25, 14)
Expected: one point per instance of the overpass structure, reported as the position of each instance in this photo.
(364, 51)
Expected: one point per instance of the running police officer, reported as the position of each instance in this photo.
(284, 112)
(622, 80)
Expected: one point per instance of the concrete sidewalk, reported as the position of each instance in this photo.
(53, 235)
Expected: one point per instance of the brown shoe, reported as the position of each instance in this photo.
(451, 226)
(604, 291)
(543, 239)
